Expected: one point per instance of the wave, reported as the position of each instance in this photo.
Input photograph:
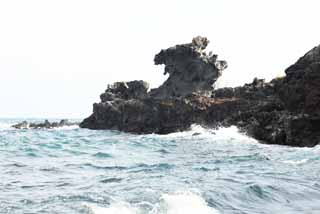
(221, 134)
(66, 127)
(176, 203)
(296, 162)
(184, 203)
(116, 208)
(6, 126)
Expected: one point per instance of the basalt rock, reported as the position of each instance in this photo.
(45, 125)
(190, 69)
(300, 89)
(125, 90)
(284, 111)
(174, 106)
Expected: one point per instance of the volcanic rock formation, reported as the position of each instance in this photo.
(45, 125)
(127, 106)
(283, 111)
(190, 69)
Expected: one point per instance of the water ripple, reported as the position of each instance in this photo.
(84, 171)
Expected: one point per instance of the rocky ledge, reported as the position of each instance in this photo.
(45, 125)
(284, 111)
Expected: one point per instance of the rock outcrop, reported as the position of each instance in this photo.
(284, 111)
(174, 106)
(45, 125)
(125, 90)
(190, 69)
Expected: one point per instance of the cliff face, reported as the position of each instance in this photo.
(300, 89)
(284, 111)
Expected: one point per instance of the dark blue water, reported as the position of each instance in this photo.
(72, 170)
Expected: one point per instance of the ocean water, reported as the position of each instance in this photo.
(72, 170)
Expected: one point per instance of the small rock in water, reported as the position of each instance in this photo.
(45, 125)
(22, 125)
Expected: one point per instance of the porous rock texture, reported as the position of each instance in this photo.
(174, 106)
(284, 111)
(190, 69)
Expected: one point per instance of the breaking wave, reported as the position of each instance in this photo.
(72, 170)
(176, 203)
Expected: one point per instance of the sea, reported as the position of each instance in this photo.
(70, 170)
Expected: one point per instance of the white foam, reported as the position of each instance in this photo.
(177, 203)
(221, 134)
(184, 203)
(232, 133)
(194, 129)
(315, 149)
(6, 126)
(297, 162)
(117, 208)
(67, 127)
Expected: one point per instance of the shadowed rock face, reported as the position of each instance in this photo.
(300, 89)
(190, 69)
(285, 111)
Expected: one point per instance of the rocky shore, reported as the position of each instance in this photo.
(45, 125)
(284, 111)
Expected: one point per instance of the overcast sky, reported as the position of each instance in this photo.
(57, 57)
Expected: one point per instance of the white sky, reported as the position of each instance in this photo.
(57, 57)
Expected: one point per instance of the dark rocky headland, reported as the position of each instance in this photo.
(284, 111)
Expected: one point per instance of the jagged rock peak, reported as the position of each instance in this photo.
(200, 42)
(190, 68)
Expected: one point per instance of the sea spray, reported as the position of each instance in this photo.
(176, 203)
(184, 203)
(58, 171)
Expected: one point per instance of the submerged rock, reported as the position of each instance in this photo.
(284, 111)
(45, 125)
